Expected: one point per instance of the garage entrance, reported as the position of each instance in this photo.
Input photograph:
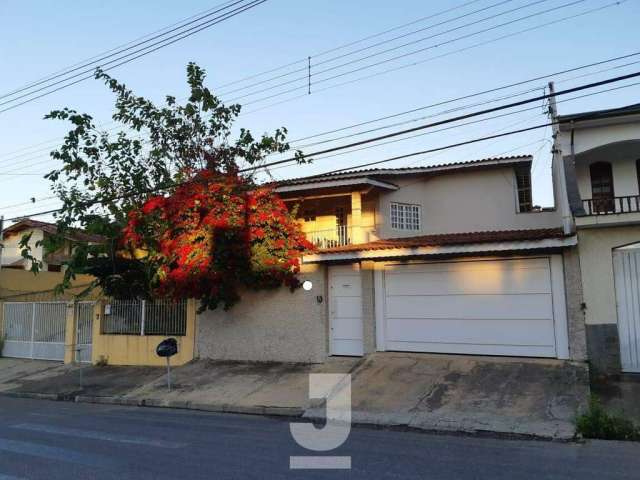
(485, 307)
(626, 269)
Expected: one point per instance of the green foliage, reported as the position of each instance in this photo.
(104, 176)
(598, 423)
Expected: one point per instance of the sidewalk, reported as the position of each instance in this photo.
(538, 398)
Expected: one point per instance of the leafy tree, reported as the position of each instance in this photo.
(106, 179)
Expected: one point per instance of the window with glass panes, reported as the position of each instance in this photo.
(523, 180)
(405, 216)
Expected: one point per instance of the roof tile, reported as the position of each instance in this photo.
(452, 239)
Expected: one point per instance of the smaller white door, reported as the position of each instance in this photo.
(345, 310)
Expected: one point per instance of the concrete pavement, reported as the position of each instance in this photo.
(429, 392)
(471, 394)
(56, 440)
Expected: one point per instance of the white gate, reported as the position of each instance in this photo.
(34, 330)
(626, 268)
(84, 331)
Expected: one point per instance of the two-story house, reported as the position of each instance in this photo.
(449, 258)
(11, 252)
(600, 152)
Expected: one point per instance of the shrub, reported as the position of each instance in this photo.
(598, 423)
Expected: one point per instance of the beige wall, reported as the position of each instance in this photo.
(595, 246)
(462, 202)
(269, 325)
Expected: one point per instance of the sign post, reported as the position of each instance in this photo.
(167, 349)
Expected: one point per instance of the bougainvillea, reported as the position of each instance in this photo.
(213, 235)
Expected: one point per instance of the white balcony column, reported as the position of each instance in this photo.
(357, 232)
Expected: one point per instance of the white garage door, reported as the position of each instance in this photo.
(486, 307)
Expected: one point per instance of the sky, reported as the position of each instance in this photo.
(38, 38)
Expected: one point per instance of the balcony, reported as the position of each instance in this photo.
(338, 236)
(612, 206)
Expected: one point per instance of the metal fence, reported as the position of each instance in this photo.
(34, 330)
(142, 317)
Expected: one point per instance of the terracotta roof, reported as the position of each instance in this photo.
(27, 223)
(452, 239)
(439, 168)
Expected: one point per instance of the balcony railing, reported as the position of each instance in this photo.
(613, 205)
(338, 236)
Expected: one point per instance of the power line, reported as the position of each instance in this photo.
(414, 52)
(249, 77)
(411, 53)
(96, 63)
(414, 63)
(164, 40)
(317, 73)
(101, 56)
(465, 116)
(390, 135)
(347, 45)
(384, 42)
(406, 112)
(145, 51)
(348, 127)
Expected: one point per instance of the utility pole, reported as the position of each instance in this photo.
(558, 168)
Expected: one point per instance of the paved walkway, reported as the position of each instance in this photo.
(427, 392)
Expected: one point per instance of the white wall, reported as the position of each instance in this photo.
(478, 200)
(625, 180)
(621, 156)
(592, 137)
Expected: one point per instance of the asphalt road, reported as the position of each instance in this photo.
(51, 440)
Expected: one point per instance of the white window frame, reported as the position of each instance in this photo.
(401, 221)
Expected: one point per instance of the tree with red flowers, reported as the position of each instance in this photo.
(213, 235)
(165, 192)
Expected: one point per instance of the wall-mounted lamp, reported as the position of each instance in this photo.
(307, 285)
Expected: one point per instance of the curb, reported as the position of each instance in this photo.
(273, 411)
(182, 405)
(156, 403)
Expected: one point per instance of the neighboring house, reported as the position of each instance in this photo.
(11, 252)
(600, 153)
(448, 258)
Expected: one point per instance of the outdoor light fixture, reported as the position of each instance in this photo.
(307, 285)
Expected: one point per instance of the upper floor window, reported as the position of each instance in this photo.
(405, 216)
(523, 182)
(601, 186)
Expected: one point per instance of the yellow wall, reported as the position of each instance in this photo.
(141, 350)
(38, 287)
